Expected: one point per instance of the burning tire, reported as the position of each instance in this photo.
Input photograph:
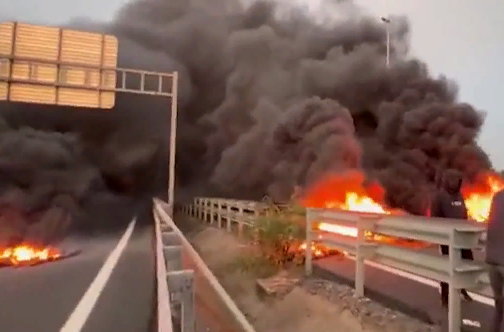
(28, 255)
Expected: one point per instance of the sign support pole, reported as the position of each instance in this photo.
(173, 145)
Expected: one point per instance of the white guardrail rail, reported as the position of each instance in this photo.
(187, 290)
(456, 234)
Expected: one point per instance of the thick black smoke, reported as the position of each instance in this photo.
(274, 99)
(269, 98)
(57, 162)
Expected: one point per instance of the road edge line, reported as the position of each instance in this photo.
(80, 315)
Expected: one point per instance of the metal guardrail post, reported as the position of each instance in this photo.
(188, 307)
(196, 208)
(240, 220)
(309, 240)
(359, 261)
(229, 218)
(212, 212)
(219, 213)
(200, 208)
(454, 316)
(257, 233)
(454, 306)
(364, 249)
(173, 257)
(207, 209)
(183, 282)
(203, 209)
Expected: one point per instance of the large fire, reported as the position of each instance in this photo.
(349, 192)
(25, 254)
(478, 195)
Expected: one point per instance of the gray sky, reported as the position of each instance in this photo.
(463, 39)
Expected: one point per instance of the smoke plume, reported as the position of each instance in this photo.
(270, 98)
(273, 99)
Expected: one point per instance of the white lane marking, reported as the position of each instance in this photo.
(81, 313)
(429, 282)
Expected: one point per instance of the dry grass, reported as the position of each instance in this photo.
(297, 311)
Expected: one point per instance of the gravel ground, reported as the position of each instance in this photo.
(367, 311)
(307, 307)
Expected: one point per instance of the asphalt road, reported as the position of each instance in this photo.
(110, 286)
(402, 293)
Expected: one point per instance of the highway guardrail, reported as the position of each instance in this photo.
(205, 303)
(164, 315)
(456, 234)
(232, 212)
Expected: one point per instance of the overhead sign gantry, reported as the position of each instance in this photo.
(57, 66)
(51, 65)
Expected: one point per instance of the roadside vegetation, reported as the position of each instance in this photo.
(277, 237)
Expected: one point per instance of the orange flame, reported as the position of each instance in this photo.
(479, 194)
(346, 192)
(349, 192)
(317, 251)
(26, 253)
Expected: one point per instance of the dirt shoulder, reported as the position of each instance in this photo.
(311, 305)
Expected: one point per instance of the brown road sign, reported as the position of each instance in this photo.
(51, 65)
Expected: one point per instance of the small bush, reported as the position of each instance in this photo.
(277, 237)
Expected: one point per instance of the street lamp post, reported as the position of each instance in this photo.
(386, 20)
